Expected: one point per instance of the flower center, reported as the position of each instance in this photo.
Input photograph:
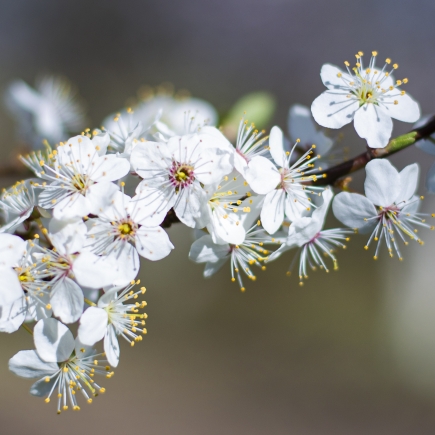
(181, 174)
(125, 229)
(79, 181)
(26, 277)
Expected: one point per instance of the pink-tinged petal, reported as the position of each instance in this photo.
(93, 325)
(382, 184)
(153, 243)
(333, 109)
(54, 342)
(272, 213)
(371, 123)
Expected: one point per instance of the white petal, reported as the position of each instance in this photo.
(330, 77)
(153, 243)
(276, 145)
(303, 230)
(42, 388)
(352, 209)
(371, 123)
(12, 249)
(272, 213)
(53, 340)
(111, 347)
(67, 236)
(10, 287)
(227, 229)
(204, 250)
(93, 325)
(409, 177)
(100, 196)
(70, 207)
(262, 175)
(101, 141)
(406, 109)
(300, 123)
(332, 109)
(110, 168)
(211, 268)
(120, 267)
(190, 204)
(13, 314)
(27, 364)
(150, 159)
(382, 185)
(67, 300)
(294, 205)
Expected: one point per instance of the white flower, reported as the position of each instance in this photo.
(79, 178)
(112, 317)
(174, 174)
(229, 200)
(63, 364)
(389, 209)
(68, 266)
(242, 256)
(368, 96)
(306, 233)
(286, 195)
(17, 204)
(49, 112)
(21, 285)
(301, 126)
(122, 230)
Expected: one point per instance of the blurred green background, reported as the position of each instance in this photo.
(351, 352)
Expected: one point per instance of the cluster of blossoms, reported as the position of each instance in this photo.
(73, 235)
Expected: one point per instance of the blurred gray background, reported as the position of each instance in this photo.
(351, 352)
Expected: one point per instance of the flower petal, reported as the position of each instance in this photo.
(371, 123)
(262, 175)
(272, 213)
(332, 109)
(382, 185)
(12, 249)
(111, 346)
(211, 268)
(93, 325)
(54, 342)
(204, 250)
(67, 300)
(352, 209)
(67, 236)
(406, 109)
(27, 364)
(409, 177)
(276, 145)
(153, 243)
(334, 78)
(110, 168)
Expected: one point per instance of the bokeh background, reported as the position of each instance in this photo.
(351, 352)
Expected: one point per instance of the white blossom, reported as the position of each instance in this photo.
(50, 111)
(389, 209)
(78, 180)
(307, 234)
(367, 96)
(63, 364)
(114, 316)
(174, 174)
(288, 195)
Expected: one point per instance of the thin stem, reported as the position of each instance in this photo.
(331, 175)
(27, 329)
(92, 304)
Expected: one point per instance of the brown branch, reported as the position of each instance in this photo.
(331, 175)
